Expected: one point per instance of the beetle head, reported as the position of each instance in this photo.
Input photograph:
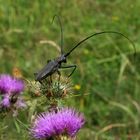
(62, 59)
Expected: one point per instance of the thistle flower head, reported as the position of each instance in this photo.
(65, 122)
(10, 89)
(6, 101)
(9, 84)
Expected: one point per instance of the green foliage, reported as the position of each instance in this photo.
(107, 72)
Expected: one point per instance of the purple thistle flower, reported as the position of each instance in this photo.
(66, 121)
(10, 89)
(10, 84)
(5, 101)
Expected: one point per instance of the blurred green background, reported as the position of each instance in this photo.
(106, 69)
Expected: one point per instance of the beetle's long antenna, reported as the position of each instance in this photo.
(61, 31)
(99, 34)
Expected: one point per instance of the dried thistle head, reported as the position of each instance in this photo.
(53, 87)
(57, 89)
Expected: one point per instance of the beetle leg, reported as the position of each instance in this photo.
(48, 61)
(49, 81)
(35, 73)
(70, 66)
(50, 78)
(59, 74)
(40, 82)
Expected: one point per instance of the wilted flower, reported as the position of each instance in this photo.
(20, 103)
(65, 122)
(10, 89)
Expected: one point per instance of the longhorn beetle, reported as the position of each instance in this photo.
(54, 65)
